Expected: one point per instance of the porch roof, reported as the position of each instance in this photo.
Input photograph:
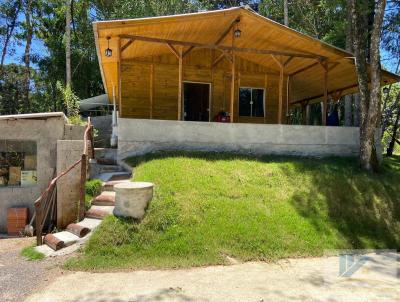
(262, 41)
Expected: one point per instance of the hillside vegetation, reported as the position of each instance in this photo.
(210, 207)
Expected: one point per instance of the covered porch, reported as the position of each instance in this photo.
(220, 66)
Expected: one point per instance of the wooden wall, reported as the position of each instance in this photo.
(149, 86)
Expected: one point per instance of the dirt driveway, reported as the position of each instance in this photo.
(290, 280)
(19, 277)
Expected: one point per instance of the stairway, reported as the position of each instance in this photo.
(101, 206)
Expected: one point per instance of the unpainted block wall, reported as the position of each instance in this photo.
(45, 131)
(68, 152)
(136, 137)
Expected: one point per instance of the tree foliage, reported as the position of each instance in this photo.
(35, 88)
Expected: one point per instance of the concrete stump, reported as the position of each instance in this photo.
(132, 198)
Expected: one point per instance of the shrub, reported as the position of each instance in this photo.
(93, 187)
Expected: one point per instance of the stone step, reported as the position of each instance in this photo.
(109, 185)
(77, 230)
(106, 198)
(54, 242)
(108, 168)
(66, 237)
(112, 175)
(106, 153)
(99, 212)
(106, 161)
(90, 223)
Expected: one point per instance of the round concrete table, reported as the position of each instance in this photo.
(132, 198)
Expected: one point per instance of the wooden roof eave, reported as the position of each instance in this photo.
(99, 56)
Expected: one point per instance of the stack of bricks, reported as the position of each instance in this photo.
(17, 219)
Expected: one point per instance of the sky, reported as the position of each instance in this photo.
(388, 61)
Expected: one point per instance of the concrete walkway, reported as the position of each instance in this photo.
(291, 280)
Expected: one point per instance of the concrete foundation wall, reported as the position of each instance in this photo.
(68, 152)
(45, 132)
(138, 136)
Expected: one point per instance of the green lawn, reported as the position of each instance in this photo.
(210, 206)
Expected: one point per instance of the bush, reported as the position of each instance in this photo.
(93, 187)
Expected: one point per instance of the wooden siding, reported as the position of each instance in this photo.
(136, 85)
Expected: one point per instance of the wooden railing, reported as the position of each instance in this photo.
(46, 204)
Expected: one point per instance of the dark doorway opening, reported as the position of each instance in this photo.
(196, 102)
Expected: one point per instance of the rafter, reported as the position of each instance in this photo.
(187, 51)
(280, 64)
(126, 45)
(321, 95)
(226, 32)
(304, 68)
(288, 61)
(173, 50)
(226, 48)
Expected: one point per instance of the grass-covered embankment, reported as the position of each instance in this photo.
(209, 206)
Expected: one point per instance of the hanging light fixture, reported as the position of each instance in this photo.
(237, 32)
(108, 51)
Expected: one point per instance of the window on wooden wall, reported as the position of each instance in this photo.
(251, 102)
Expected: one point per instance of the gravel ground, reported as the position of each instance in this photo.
(19, 277)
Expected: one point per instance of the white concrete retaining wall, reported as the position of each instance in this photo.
(137, 136)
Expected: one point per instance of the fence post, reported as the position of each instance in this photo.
(82, 187)
(38, 223)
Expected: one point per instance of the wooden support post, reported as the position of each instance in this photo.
(239, 76)
(233, 87)
(82, 187)
(280, 105)
(308, 114)
(151, 96)
(280, 93)
(180, 61)
(288, 92)
(265, 97)
(38, 222)
(324, 109)
(210, 111)
(119, 79)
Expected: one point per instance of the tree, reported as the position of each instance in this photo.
(285, 12)
(27, 53)
(396, 125)
(370, 96)
(68, 42)
(9, 12)
(348, 100)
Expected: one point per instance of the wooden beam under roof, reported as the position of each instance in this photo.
(321, 95)
(126, 45)
(227, 31)
(226, 48)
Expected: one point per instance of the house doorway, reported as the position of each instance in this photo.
(196, 101)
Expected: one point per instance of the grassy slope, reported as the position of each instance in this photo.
(207, 206)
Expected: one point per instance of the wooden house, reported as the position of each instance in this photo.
(193, 67)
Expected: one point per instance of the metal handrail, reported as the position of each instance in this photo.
(48, 198)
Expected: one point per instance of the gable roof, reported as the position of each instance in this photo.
(260, 39)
